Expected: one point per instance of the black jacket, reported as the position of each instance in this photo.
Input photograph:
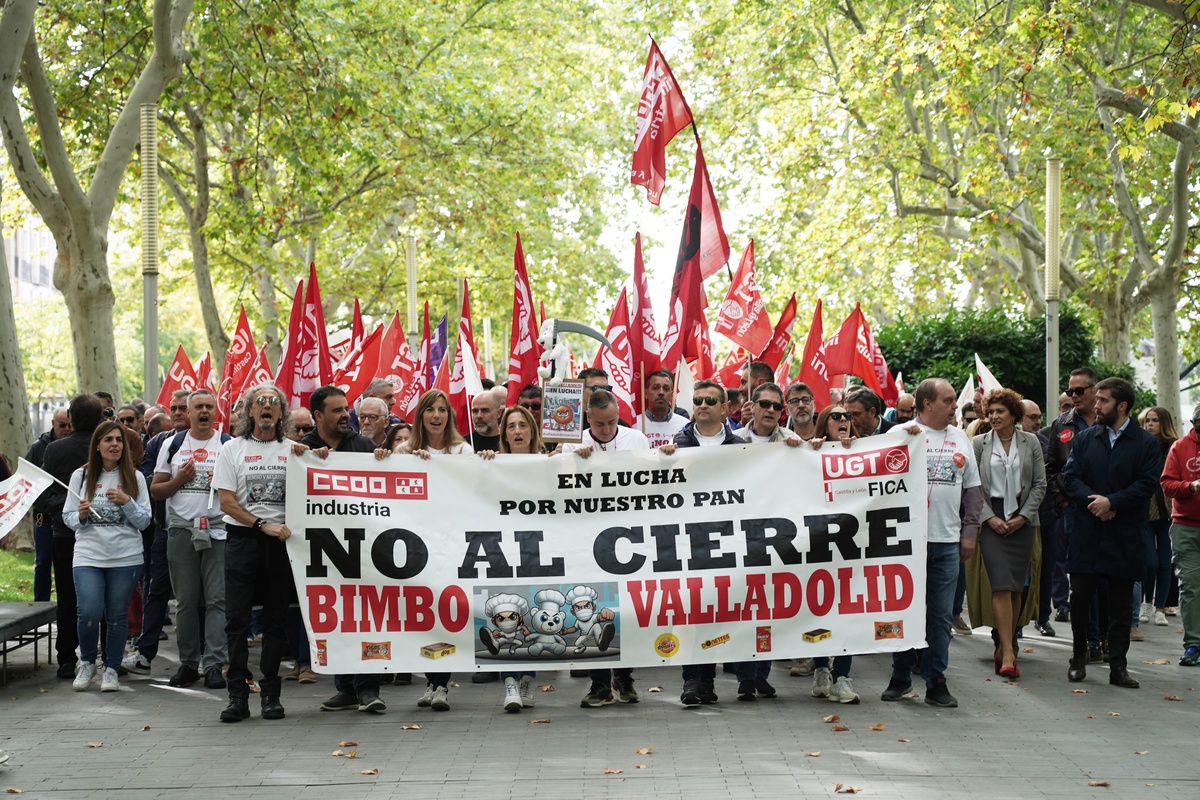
(350, 443)
(687, 436)
(1127, 474)
(1060, 436)
(35, 455)
(63, 457)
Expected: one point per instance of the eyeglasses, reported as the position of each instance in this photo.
(800, 401)
(266, 399)
(1078, 391)
(305, 428)
(706, 401)
(1035, 417)
(125, 420)
(605, 386)
(533, 406)
(770, 405)
(369, 417)
(841, 416)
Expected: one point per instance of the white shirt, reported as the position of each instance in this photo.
(660, 433)
(626, 439)
(950, 461)
(710, 441)
(190, 502)
(111, 536)
(256, 473)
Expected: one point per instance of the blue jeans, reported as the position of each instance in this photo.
(960, 590)
(1158, 562)
(104, 592)
(43, 557)
(841, 665)
(941, 567)
(749, 670)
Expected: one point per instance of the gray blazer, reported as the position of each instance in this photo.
(1033, 474)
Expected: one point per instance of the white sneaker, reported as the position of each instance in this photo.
(843, 692)
(109, 682)
(1144, 613)
(136, 663)
(83, 676)
(1172, 611)
(822, 680)
(525, 687)
(512, 696)
(1160, 618)
(440, 701)
(425, 700)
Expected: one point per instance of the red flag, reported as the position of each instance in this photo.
(357, 331)
(396, 362)
(204, 372)
(307, 364)
(743, 318)
(847, 351)
(730, 373)
(523, 349)
(618, 361)
(293, 324)
(702, 366)
(703, 250)
(782, 335)
(889, 392)
(359, 368)
(785, 369)
(238, 359)
(181, 375)
(259, 372)
(417, 386)
(464, 375)
(644, 345)
(813, 372)
(662, 113)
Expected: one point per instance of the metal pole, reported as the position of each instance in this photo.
(412, 285)
(149, 163)
(1053, 283)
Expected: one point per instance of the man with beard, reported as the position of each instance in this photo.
(660, 423)
(251, 481)
(866, 407)
(485, 422)
(801, 407)
(195, 541)
(1109, 479)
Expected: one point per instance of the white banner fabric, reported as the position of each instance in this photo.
(18, 493)
(713, 554)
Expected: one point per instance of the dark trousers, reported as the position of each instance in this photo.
(256, 562)
(156, 591)
(1060, 583)
(43, 558)
(705, 673)
(357, 683)
(1049, 532)
(605, 676)
(436, 679)
(67, 615)
(1083, 592)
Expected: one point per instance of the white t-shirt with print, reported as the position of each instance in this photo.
(190, 502)
(660, 433)
(256, 473)
(950, 461)
(626, 439)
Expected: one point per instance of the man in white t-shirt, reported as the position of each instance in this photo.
(660, 423)
(954, 503)
(195, 541)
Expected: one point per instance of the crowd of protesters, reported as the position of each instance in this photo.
(1078, 521)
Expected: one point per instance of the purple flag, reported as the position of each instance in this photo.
(437, 348)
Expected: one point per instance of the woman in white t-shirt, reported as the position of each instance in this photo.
(434, 432)
(107, 507)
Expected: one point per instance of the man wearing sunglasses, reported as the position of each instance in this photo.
(1061, 435)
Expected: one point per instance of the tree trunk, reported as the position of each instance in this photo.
(81, 274)
(270, 311)
(1115, 325)
(15, 430)
(1164, 302)
(218, 340)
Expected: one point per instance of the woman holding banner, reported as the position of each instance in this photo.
(435, 433)
(107, 506)
(1013, 477)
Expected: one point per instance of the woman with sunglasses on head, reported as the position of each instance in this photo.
(1159, 423)
(107, 506)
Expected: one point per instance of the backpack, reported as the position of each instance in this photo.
(159, 507)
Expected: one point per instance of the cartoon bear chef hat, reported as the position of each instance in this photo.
(549, 600)
(505, 602)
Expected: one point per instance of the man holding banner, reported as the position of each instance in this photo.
(954, 503)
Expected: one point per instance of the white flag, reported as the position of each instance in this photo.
(987, 381)
(18, 493)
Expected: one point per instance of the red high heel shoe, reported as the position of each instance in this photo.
(997, 660)
(1012, 673)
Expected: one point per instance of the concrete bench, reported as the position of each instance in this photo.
(22, 624)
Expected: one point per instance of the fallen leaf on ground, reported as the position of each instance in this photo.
(830, 718)
(374, 771)
(840, 728)
(1091, 716)
(549, 687)
(453, 685)
(347, 744)
(145, 727)
(608, 771)
(1141, 752)
(906, 741)
(43, 690)
(645, 751)
(352, 754)
(914, 695)
(878, 727)
(1027, 650)
(410, 727)
(1157, 661)
(815, 754)
(1099, 783)
(539, 722)
(1176, 698)
(254, 687)
(337, 753)
(641, 766)
(654, 689)
(987, 680)
(16, 791)
(1114, 713)
(1079, 691)
(95, 744)
(845, 788)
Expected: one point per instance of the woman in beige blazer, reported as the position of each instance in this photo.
(1013, 477)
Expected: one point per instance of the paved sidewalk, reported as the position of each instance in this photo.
(1035, 738)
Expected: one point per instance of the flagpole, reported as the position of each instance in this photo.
(642, 378)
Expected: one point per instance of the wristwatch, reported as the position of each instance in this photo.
(258, 524)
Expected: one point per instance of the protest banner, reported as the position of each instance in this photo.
(630, 558)
(562, 411)
(18, 493)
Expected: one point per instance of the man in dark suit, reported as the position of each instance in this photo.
(867, 409)
(1108, 480)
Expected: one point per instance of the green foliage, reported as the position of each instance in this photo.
(1012, 347)
(16, 576)
(1146, 396)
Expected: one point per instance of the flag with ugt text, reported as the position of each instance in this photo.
(18, 493)
(307, 364)
(662, 112)
(702, 366)
(181, 375)
(781, 337)
(524, 352)
(743, 319)
(464, 375)
(420, 381)
(238, 359)
(703, 250)
(644, 345)
(396, 362)
(617, 361)
(813, 372)
(847, 351)
(358, 369)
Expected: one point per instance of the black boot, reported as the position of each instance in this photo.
(237, 710)
(271, 708)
